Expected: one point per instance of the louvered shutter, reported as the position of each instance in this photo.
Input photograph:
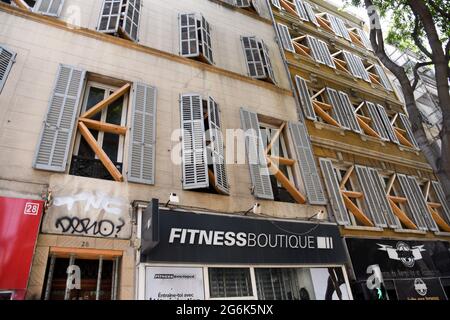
(349, 111)
(407, 125)
(141, 157)
(195, 167)
(253, 57)
(361, 69)
(242, 3)
(130, 24)
(334, 25)
(49, 7)
(370, 198)
(411, 204)
(422, 208)
(189, 44)
(266, 62)
(365, 40)
(261, 8)
(285, 37)
(58, 129)
(257, 163)
(334, 193)
(343, 29)
(110, 16)
(337, 110)
(387, 124)
(206, 41)
(380, 192)
(325, 52)
(301, 12)
(351, 64)
(441, 198)
(311, 14)
(276, 4)
(383, 77)
(313, 44)
(305, 98)
(216, 146)
(377, 121)
(306, 163)
(7, 59)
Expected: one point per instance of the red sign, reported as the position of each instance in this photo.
(19, 227)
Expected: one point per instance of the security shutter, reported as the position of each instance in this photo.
(376, 120)
(349, 111)
(285, 37)
(383, 77)
(422, 204)
(313, 44)
(49, 7)
(110, 16)
(441, 198)
(131, 20)
(380, 192)
(253, 57)
(216, 146)
(334, 193)
(337, 110)
(306, 163)
(326, 54)
(276, 4)
(365, 40)
(301, 12)
(266, 62)
(189, 44)
(387, 124)
(141, 157)
(310, 12)
(206, 41)
(242, 3)
(305, 98)
(407, 125)
(259, 172)
(195, 169)
(7, 58)
(58, 129)
(412, 204)
(370, 197)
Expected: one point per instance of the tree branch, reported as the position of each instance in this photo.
(416, 72)
(417, 41)
(438, 9)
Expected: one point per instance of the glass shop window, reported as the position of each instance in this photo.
(230, 282)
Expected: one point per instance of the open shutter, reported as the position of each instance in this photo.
(206, 41)
(216, 146)
(379, 188)
(361, 69)
(253, 57)
(266, 62)
(412, 204)
(364, 39)
(301, 12)
(325, 52)
(189, 45)
(377, 121)
(305, 98)
(387, 124)
(276, 4)
(58, 129)
(285, 37)
(195, 167)
(141, 157)
(441, 198)
(383, 77)
(422, 204)
(407, 125)
(334, 193)
(349, 111)
(313, 44)
(242, 3)
(343, 29)
(261, 8)
(7, 58)
(334, 25)
(131, 20)
(49, 7)
(310, 12)
(259, 171)
(351, 64)
(110, 16)
(370, 198)
(337, 110)
(307, 164)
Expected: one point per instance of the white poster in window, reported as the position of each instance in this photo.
(174, 283)
(329, 284)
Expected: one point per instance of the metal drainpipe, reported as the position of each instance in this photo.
(99, 278)
(50, 277)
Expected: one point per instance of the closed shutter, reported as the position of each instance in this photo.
(326, 54)
(380, 191)
(141, 157)
(349, 111)
(351, 65)
(412, 204)
(311, 14)
(376, 120)
(58, 129)
(361, 69)
(307, 164)
(216, 146)
(189, 45)
(110, 16)
(195, 168)
(242, 3)
(334, 193)
(301, 12)
(131, 20)
(441, 198)
(365, 40)
(422, 207)
(266, 62)
(305, 98)
(370, 197)
(276, 4)
(337, 110)
(7, 58)
(313, 44)
(253, 57)
(285, 37)
(407, 125)
(387, 124)
(259, 172)
(49, 7)
(383, 77)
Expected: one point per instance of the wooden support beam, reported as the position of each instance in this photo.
(103, 157)
(402, 139)
(318, 93)
(275, 137)
(324, 24)
(367, 129)
(282, 160)
(81, 253)
(402, 131)
(346, 177)
(398, 199)
(370, 67)
(22, 4)
(212, 181)
(359, 215)
(365, 119)
(103, 126)
(439, 221)
(374, 78)
(390, 184)
(394, 118)
(301, 49)
(434, 205)
(355, 39)
(299, 38)
(337, 53)
(285, 182)
(427, 189)
(359, 106)
(352, 194)
(288, 7)
(323, 105)
(325, 116)
(341, 65)
(104, 103)
(402, 216)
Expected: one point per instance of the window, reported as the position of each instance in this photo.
(355, 65)
(359, 37)
(437, 204)
(46, 7)
(257, 58)
(195, 37)
(403, 131)
(333, 24)
(7, 58)
(120, 18)
(230, 282)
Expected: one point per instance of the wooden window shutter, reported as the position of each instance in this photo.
(261, 8)
(361, 69)
(384, 79)
(351, 64)
(189, 42)
(311, 14)
(387, 124)
(305, 98)
(253, 57)
(141, 157)
(301, 12)
(338, 110)
(422, 207)
(58, 129)
(349, 111)
(285, 37)
(195, 167)
(407, 125)
(326, 55)
(110, 16)
(7, 59)
(365, 40)
(306, 163)
(377, 121)
(411, 203)
(131, 20)
(437, 187)
(243, 3)
(267, 63)
(206, 41)
(313, 44)
(259, 171)
(276, 4)
(49, 7)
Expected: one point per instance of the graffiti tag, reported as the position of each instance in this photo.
(88, 226)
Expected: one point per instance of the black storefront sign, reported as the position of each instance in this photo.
(399, 259)
(214, 238)
(419, 289)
